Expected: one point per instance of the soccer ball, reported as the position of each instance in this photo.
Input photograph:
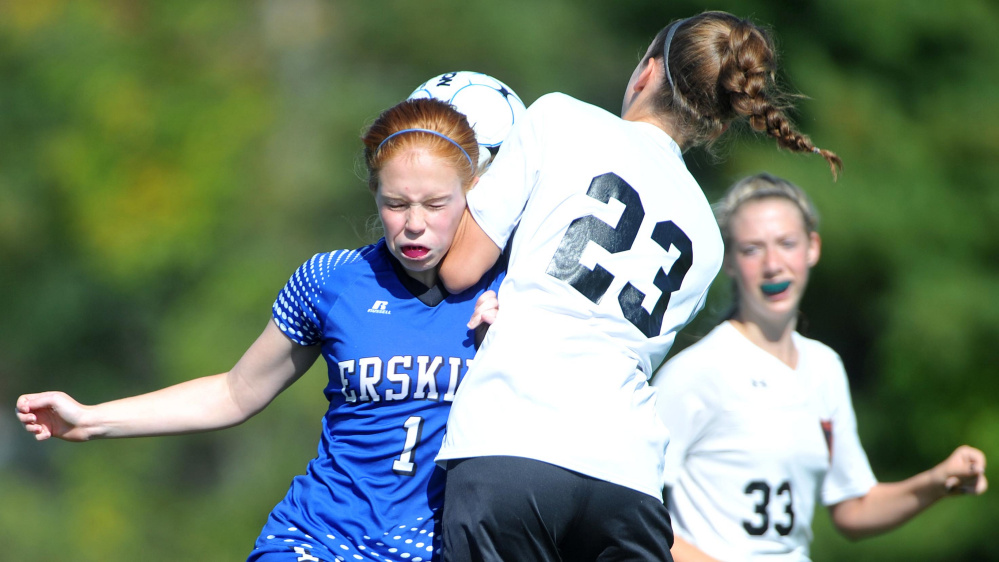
(490, 106)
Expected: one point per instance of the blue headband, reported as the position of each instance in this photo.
(669, 39)
(431, 132)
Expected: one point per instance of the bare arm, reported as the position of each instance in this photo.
(889, 505)
(269, 366)
(683, 551)
(471, 255)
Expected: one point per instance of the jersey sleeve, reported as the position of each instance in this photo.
(498, 200)
(850, 473)
(299, 309)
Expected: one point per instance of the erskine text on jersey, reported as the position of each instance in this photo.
(371, 379)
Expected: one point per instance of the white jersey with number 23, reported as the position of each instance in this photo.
(614, 250)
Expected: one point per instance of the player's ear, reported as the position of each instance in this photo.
(646, 76)
(814, 248)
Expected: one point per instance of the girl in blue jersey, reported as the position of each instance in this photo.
(373, 490)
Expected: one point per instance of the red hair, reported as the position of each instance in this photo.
(451, 135)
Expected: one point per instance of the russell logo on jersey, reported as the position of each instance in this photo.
(380, 307)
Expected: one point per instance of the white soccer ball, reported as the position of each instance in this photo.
(490, 106)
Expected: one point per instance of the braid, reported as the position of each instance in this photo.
(747, 76)
(724, 69)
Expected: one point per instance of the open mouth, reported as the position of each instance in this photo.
(771, 289)
(415, 252)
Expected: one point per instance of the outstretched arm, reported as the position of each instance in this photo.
(269, 366)
(471, 255)
(888, 505)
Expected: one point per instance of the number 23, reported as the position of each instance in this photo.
(593, 283)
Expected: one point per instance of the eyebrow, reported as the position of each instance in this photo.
(438, 199)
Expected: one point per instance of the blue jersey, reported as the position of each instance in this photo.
(395, 359)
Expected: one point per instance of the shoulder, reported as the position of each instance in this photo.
(346, 259)
(823, 364)
(559, 103)
(816, 351)
(553, 101)
(313, 289)
(694, 364)
(327, 265)
(328, 274)
(706, 349)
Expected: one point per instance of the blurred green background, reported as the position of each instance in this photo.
(165, 166)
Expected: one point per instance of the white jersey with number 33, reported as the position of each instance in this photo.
(755, 444)
(615, 248)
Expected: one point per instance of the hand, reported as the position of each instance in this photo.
(485, 311)
(52, 414)
(964, 471)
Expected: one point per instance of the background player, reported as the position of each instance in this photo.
(760, 418)
(373, 490)
(554, 445)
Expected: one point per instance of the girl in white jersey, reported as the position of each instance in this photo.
(760, 419)
(554, 445)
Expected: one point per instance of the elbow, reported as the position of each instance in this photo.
(454, 279)
(851, 522)
(852, 534)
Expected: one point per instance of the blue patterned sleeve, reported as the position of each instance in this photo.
(301, 306)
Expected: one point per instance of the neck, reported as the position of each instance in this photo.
(774, 338)
(428, 278)
(641, 110)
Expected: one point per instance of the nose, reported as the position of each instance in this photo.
(771, 262)
(416, 222)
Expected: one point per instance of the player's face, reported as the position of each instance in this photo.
(420, 201)
(769, 257)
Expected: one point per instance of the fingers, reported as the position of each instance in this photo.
(31, 425)
(26, 417)
(485, 311)
(976, 458)
(972, 460)
(974, 486)
(40, 431)
(966, 471)
(981, 485)
(23, 403)
(30, 402)
(951, 484)
(27, 408)
(23, 409)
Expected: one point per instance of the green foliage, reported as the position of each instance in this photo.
(164, 167)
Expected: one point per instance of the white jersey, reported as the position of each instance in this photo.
(754, 445)
(615, 248)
